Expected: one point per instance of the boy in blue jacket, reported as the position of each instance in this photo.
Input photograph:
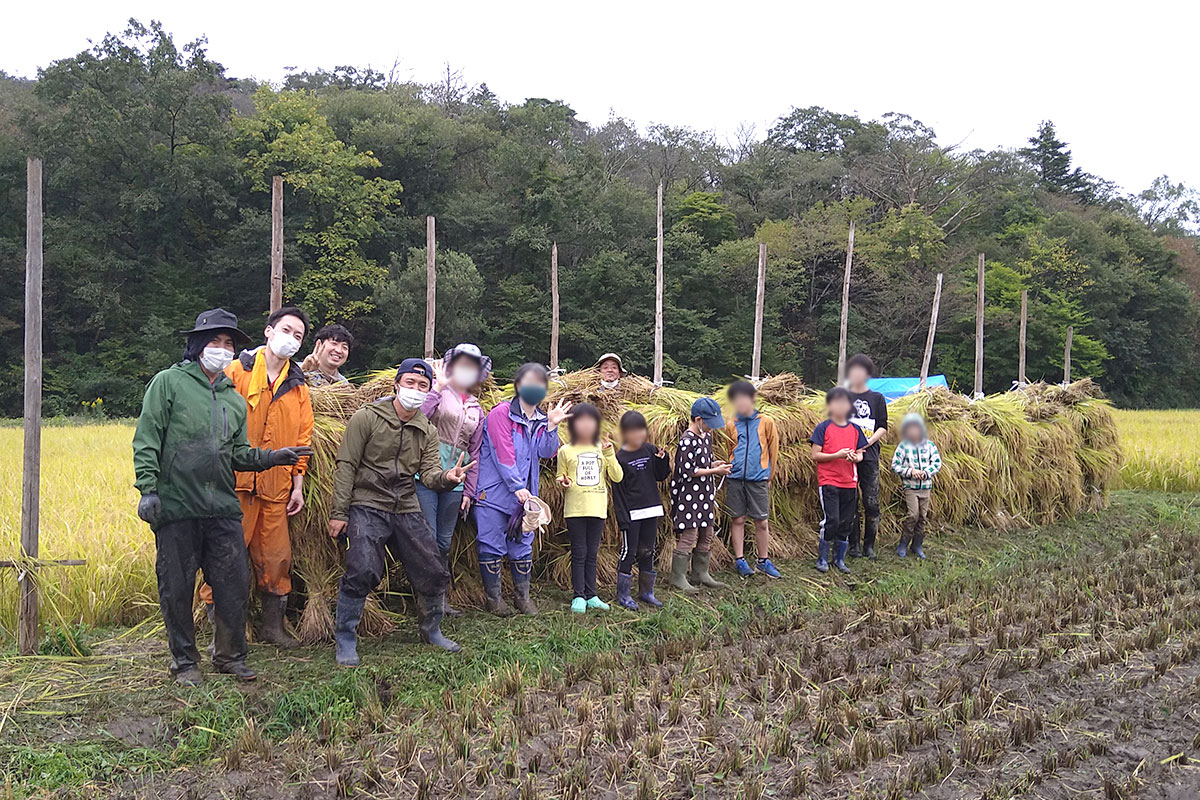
(754, 456)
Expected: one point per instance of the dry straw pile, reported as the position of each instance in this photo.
(1031, 456)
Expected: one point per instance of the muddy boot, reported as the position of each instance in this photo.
(229, 647)
(699, 575)
(646, 589)
(345, 629)
(854, 550)
(273, 608)
(447, 609)
(522, 572)
(905, 538)
(189, 677)
(212, 625)
(430, 612)
(679, 567)
(839, 556)
(489, 571)
(918, 540)
(823, 556)
(624, 592)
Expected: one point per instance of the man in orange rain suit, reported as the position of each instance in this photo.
(279, 414)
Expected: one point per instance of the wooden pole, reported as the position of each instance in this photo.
(841, 372)
(1067, 355)
(979, 331)
(276, 243)
(554, 306)
(27, 612)
(430, 283)
(759, 303)
(1021, 379)
(933, 318)
(658, 295)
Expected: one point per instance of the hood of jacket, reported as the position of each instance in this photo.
(913, 418)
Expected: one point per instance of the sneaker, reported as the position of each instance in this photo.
(579, 605)
(596, 602)
(767, 568)
(743, 568)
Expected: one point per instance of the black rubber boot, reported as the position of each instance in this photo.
(345, 629)
(646, 588)
(680, 562)
(522, 572)
(625, 591)
(274, 607)
(699, 576)
(489, 572)
(854, 550)
(212, 624)
(430, 611)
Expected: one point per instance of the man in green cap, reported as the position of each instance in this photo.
(190, 437)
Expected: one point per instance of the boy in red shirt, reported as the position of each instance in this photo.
(837, 447)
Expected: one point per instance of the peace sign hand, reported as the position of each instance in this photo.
(560, 411)
(458, 473)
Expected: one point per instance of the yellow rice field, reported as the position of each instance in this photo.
(88, 503)
(1162, 450)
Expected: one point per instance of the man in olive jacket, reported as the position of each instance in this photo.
(375, 506)
(190, 437)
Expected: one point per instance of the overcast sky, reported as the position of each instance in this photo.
(1119, 84)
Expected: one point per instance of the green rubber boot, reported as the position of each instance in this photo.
(699, 575)
(679, 568)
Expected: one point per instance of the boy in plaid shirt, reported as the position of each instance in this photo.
(916, 461)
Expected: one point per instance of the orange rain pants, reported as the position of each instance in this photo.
(265, 530)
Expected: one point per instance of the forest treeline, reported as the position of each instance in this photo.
(158, 167)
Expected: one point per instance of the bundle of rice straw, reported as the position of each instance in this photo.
(1026, 457)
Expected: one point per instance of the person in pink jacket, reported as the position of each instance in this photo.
(453, 407)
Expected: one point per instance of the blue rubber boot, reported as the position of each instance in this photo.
(902, 548)
(489, 572)
(625, 592)
(823, 556)
(839, 557)
(744, 569)
(345, 629)
(918, 540)
(646, 588)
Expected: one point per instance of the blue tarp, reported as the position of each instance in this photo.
(891, 388)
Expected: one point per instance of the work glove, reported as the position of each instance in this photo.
(149, 508)
(285, 456)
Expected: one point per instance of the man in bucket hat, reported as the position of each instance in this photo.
(190, 437)
(375, 507)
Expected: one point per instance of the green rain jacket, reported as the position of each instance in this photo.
(378, 458)
(190, 437)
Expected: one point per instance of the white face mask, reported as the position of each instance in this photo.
(216, 359)
(610, 384)
(410, 399)
(464, 377)
(283, 345)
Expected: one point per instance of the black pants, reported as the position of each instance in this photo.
(868, 487)
(217, 547)
(584, 533)
(639, 542)
(840, 507)
(372, 533)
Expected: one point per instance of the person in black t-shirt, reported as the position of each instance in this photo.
(868, 412)
(638, 506)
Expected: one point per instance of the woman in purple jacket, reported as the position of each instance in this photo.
(516, 436)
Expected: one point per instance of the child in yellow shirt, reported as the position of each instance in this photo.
(586, 466)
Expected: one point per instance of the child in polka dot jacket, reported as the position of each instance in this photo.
(694, 498)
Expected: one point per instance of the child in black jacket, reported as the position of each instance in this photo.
(638, 506)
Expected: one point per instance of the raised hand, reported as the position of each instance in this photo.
(441, 377)
(458, 473)
(560, 411)
(606, 445)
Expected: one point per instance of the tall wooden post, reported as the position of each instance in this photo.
(27, 611)
(1067, 355)
(276, 243)
(841, 372)
(430, 283)
(979, 331)
(658, 295)
(1021, 379)
(933, 319)
(554, 306)
(759, 303)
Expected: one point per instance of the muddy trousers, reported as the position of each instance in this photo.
(639, 542)
(868, 488)
(840, 509)
(371, 533)
(584, 533)
(265, 529)
(216, 547)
